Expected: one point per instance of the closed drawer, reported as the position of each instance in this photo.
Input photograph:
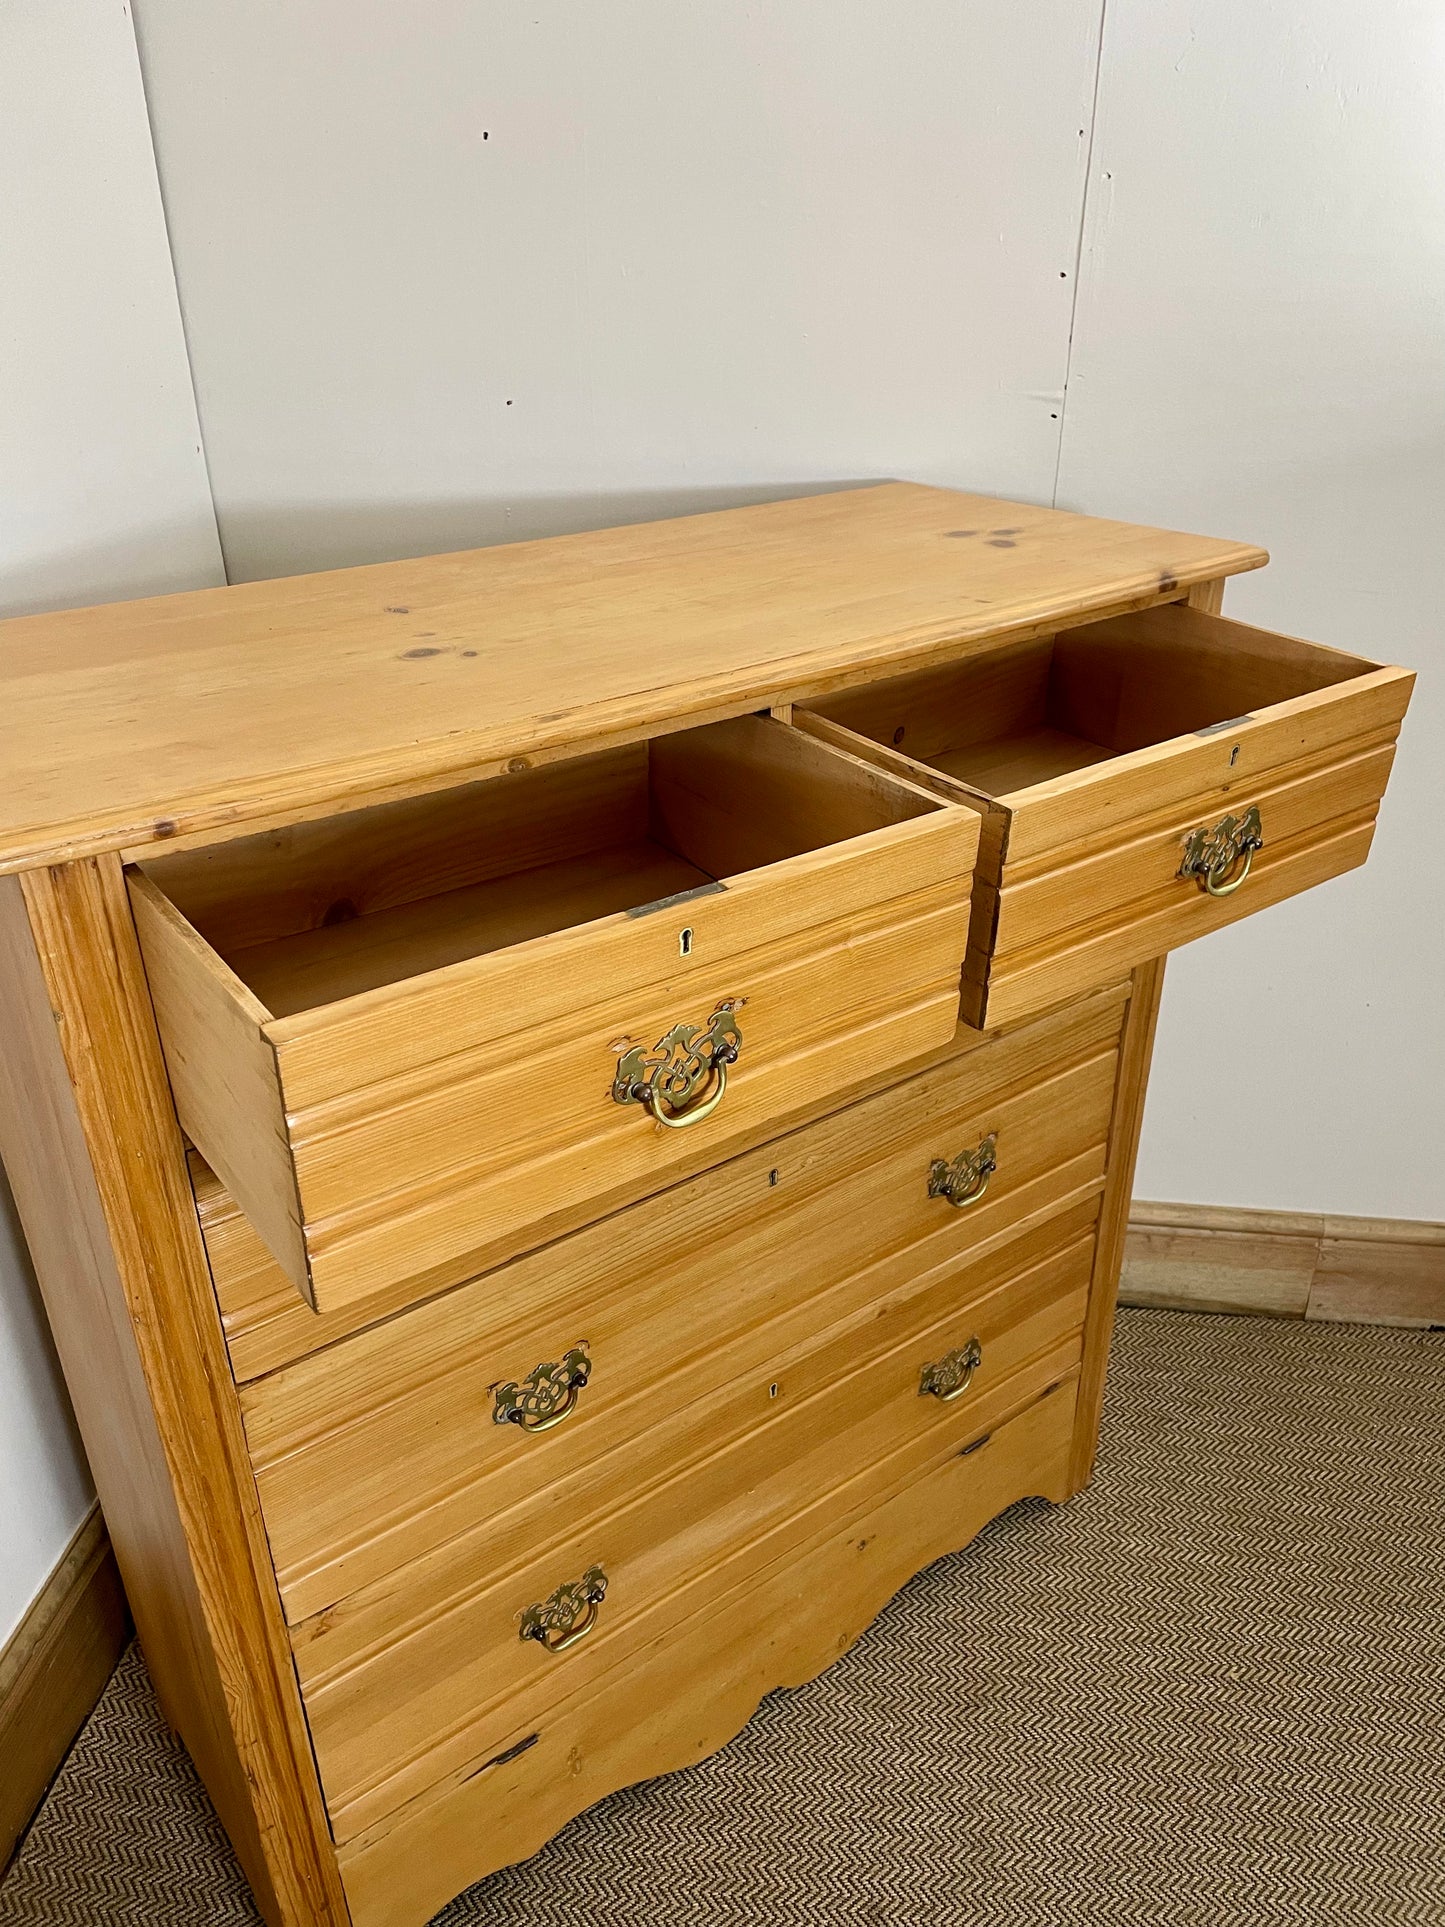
(411, 1039)
(655, 1336)
(700, 1676)
(1143, 781)
(411, 1677)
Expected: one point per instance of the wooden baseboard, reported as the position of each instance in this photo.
(52, 1670)
(1285, 1264)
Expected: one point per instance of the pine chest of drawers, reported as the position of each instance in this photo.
(575, 1108)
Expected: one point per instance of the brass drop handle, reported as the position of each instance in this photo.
(546, 1396)
(684, 1077)
(951, 1377)
(568, 1614)
(965, 1180)
(1219, 859)
(695, 1112)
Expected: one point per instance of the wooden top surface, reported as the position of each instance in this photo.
(140, 721)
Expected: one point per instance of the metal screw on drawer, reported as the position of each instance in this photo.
(547, 1395)
(965, 1180)
(1219, 859)
(951, 1377)
(568, 1614)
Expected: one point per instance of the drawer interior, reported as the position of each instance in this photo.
(317, 912)
(1002, 722)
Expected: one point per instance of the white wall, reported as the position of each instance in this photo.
(104, 494)
(1260, 351)
(472, 272)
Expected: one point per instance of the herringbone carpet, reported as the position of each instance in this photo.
(1211, 1690)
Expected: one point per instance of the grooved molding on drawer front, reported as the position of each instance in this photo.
(52, 1670)
(1285, 1264)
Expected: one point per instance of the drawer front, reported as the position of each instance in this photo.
(1077, 914)
(700, 1677)
(479, 1154)
(408, 1678)
(1081, 908)
(268, 1326)
(1102, 847)
(432, 1125)
(369, 1454)
(368, 1451)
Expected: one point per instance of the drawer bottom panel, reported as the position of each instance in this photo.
(697, 1681)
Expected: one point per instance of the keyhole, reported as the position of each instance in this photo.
(1234, 756)
(772, 1391)
(684, 943)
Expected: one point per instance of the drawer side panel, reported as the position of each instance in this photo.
(223, 1073)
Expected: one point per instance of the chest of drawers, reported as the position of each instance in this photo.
(575, 1109)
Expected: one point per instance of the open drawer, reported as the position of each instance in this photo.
(1142, 780)
(414, 1039)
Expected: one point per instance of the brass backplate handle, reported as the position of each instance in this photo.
(547, 1395)
(568, 1614)
(965, 1179)
(951, 1377)
(684, 1077)
(1219, 859)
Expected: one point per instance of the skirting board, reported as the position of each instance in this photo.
(52, 1670)
(1285, 1264)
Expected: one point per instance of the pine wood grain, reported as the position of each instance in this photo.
(1157, 911)
(392, 1009)
(313, 969)
(403, 1129)
(1103, 758)
(267, 1326)
(397, 1699)
(371, 1453)
(416, 1178)
(1136, 1048)
(1165, 672)
(320, 874)
(1019, 758)
(158, 718)
(222, 1070)
(98, 1170)
(698, 1681)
